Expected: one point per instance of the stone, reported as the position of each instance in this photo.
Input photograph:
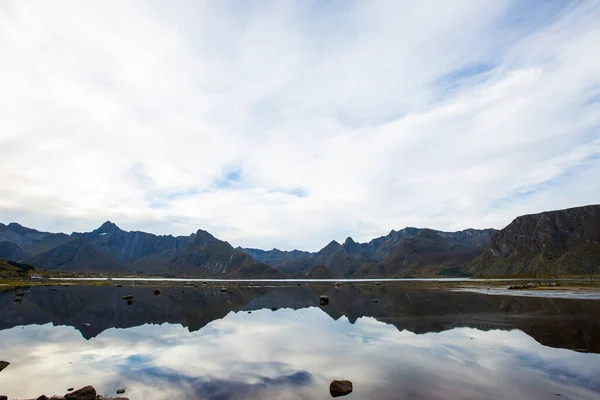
(120, 391)
(273, 308)
(119, 285)
(340, 388)
(374, 300)
(323, 300)
(338, 284)
(3, 397)
(223, 290)
(128, 297)
(85, 393)
(156, 292)
(4, 364)
(130, 302)
(43, 397)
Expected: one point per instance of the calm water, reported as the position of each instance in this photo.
(190, 343)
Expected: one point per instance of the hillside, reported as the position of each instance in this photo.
(113, 250)
(563, 242)
(406, 252)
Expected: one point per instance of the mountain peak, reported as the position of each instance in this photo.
(108, 227)
(349, 241)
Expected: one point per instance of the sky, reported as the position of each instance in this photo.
(290, 124)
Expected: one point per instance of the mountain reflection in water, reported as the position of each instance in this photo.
(193, 342)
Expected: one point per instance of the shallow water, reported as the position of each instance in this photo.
(190, 343)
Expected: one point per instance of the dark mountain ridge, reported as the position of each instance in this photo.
(563, 242)
(383, 256)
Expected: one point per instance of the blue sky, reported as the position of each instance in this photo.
(289, 124)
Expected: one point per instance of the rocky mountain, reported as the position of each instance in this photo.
(18, 243)
(77, 255)
(428, 253)
(290, 263)
(407, 252)
(319, 272)
(563, 242)
(111, 249)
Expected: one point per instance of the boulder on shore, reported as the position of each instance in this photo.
(85, 393)
(340, 388)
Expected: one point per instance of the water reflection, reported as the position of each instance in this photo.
(200, 343)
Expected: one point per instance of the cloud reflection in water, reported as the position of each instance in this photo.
(291, 354)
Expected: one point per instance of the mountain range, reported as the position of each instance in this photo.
(563, 242)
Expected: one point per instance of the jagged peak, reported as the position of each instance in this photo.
(349, 241)
(107, 227)
(332, 246)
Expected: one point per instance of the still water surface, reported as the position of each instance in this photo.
(199, 343)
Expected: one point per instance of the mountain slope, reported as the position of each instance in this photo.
(77, 255)
(407, 252)
(563, 242)
(18, 243)
(426, 254)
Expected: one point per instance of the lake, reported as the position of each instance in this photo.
(277, 342)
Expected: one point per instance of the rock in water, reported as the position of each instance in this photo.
(156, 292)
(340, 388)
(120, 391)
(128, 297)
(323, 300)
(4, 364)
(85, 393)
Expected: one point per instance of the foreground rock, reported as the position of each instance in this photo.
(85, 393)
(4, 364)
(340, 388)
(128, 297)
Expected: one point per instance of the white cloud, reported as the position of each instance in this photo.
(344, 119)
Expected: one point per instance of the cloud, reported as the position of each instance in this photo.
(276, 124)
(292, 354)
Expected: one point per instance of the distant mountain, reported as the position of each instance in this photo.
(113, 250)
(289, 263)
(18, 243)
(77, 255)
(428, 253)
(564, 242)
(319, 272)
(407, 252)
